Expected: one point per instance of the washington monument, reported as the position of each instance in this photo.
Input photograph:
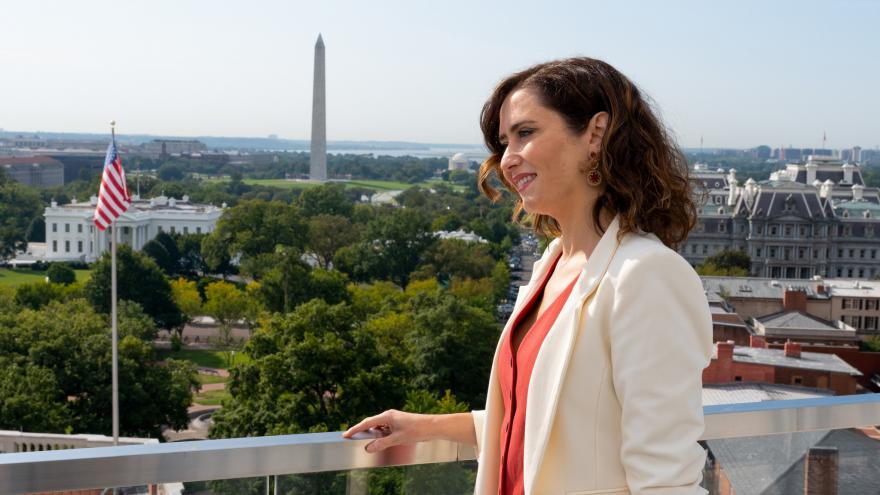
(318, 155)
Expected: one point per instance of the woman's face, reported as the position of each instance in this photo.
(543, 158)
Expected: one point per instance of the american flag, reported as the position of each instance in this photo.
(113, 198)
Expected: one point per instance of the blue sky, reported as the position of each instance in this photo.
(737, 73)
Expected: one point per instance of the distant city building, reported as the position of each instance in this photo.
(460, 235)
(459, 161)
(37, 171)
(174, 147)
(812, 218)
(788, 366)
(318, 150)
(856, 154)
(841, 303)
(385, 198)
(71, 233)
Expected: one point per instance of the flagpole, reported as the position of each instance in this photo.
(114, 238)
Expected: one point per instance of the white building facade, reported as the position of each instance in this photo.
(71, 234)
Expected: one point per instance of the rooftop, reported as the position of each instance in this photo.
(808, 360)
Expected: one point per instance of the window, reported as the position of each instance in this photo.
(694, 248)
(67, 227)
(172, 229)
(54, 227)
(66, 246)
(79, 228)
(758, 252)
(802, 253)
(870, 323)
(705, 249)
(840, 253)
(861, 273)
(849, 272)
(79, 246)
(737, 378)
(870, 304)
(797, 380)
(760, 229)
(852, 253)
(861, 253)
(54, 246)
(873, 254)
(788, 231)
(160, 229)
(839, 272)
(198, 230)
(186, 230)
(802, 230)
(722, 227)
(773, 252)
(774, 230)
(847, 231)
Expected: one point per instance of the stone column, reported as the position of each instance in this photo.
(318, 152)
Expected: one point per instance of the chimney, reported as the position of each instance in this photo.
(820, 289)
(794, 300)
(811, 172)
(793, 349)
(757, 341)
(820, 471)
(724, 351)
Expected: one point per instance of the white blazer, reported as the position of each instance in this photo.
(615, 402)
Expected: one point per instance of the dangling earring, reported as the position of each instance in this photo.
(594, 177)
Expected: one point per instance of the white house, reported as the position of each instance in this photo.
(71, 234)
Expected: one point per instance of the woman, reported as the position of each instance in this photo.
(596, 382)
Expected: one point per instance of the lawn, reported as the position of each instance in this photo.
(208, 379)
(206, 358)
(211, 398)
(13, 277)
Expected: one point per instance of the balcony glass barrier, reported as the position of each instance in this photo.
(330, 464)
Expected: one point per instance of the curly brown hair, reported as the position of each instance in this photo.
(645, 174)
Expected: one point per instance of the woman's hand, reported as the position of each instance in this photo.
(397, 427)
(400, 427)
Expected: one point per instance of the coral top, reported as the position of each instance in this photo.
(515, 371)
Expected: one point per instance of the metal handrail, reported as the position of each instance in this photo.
(135, 465)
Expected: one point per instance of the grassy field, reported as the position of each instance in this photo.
(13, 277)
(379, 185)
(207, 379)
(205, 358)
(211, 397)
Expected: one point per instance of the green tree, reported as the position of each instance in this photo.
(256, 226)
(19, 206)
(452, 345)
(313, 369)
(30, 399)
(327, 199)
(216, 255)
(170, 172)
(394, 245)
(72, 342)
(192, 263)
(139, 279)
(329, 233)
(730, 259)
(449, 258)
(61, 273)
